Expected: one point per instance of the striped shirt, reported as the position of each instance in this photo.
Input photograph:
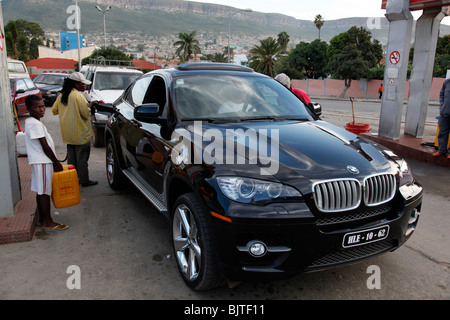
(74, 118)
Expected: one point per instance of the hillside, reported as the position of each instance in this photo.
(170, 17)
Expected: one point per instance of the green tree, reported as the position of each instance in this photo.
(310, 58)
(352, 54)
(108, 53)
(187, 46)
(23, 38)
(319, 22)
(442, 61)
(283, 39)
(264, 56)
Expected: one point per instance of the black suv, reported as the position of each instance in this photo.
(252, 181)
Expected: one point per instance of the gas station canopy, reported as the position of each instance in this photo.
(422, 4)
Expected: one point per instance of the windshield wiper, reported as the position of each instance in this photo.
(274, 118)
(213, 120)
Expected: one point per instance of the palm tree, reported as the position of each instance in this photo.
(265, 55)
(283, 39)
(318, 21)
(187, 45)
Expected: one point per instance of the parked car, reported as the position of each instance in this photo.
(50, 85)
(17, 69)
(21, 88)
(107, 85)
(253, 182)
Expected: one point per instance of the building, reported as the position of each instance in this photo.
(50, 65)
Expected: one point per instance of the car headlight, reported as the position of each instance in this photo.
(406, 176)
(246, 190)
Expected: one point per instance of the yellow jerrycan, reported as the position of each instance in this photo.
(65, 187)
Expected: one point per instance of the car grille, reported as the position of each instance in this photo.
(346, 194)
(379, 189)
(352, 254)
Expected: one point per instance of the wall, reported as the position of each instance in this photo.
(358, 89)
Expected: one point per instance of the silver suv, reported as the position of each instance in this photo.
(108, 83)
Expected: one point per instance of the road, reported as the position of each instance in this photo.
(339, 112)
(121, 249)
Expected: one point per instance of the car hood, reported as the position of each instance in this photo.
(108, 96)
(48, 87)
(293, 152)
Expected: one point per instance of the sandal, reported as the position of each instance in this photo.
(58, 227)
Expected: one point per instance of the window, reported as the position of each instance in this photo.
(20, 85)
(30, 84)
(16, 67)
(139, 90)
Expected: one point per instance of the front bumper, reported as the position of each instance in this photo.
(297, 241)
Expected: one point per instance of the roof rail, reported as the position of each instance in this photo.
(213, 66)
(102, 62)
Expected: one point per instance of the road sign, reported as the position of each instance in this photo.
(394, 57)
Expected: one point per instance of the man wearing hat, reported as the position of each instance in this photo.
(76, 129)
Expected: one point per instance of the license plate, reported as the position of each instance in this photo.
(358, 238)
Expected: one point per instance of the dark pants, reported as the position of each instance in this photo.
(444, 128)
(78, 155)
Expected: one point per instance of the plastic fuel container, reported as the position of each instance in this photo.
(65, 187)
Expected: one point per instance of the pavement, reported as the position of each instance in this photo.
(21, 226)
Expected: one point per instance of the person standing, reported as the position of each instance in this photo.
(380, 91)
(76, 129)
(286, 81)
(444, 121)
(43, 161)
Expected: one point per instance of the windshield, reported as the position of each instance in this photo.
(212, 97)
(50, 79)
(114, 80)
(16, 67)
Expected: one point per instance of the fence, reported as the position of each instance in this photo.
(358, 89)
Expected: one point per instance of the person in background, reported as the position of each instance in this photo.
(43, 161)
(286, 81)
(76, 129)
(380, 91)
(444, 121)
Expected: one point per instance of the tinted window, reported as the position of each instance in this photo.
(50, 79)
(218, 96)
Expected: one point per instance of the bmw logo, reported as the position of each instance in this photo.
(353, 169)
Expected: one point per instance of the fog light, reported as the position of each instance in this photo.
(257, 249)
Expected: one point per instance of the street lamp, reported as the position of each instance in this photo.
(104, 18)
(229, 28)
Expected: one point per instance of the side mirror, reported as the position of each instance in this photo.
(316, 107)
(20, 91)
(148, 112)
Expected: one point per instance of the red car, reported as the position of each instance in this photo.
(21, 88)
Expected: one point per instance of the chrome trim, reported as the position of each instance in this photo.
(379, 189)
(337, 195)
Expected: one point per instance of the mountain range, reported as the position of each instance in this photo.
(170, 17)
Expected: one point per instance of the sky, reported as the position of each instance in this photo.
(308, 9)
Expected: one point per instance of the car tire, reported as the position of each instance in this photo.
(98, 138)
(193, 244)
(114, 175)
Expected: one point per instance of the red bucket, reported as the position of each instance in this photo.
(357, 128)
